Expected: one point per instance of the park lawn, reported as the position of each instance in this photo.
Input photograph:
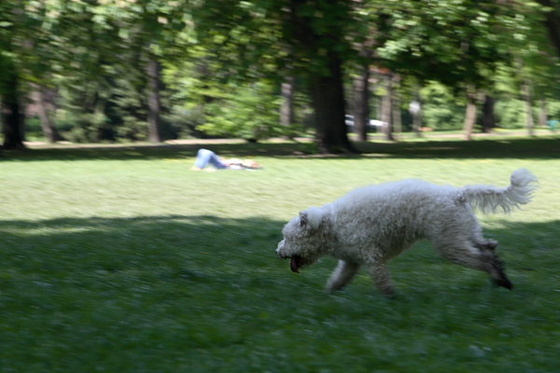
(121, 259)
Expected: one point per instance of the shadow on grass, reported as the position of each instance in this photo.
(536, 148)
(203, 293)
(195, 247)
(507, 148)
(115, 244)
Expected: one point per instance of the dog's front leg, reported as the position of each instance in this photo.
(342, 275)
(382, 277)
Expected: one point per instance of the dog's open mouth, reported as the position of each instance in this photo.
(296, 262)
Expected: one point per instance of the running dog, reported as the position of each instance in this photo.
(370, 225)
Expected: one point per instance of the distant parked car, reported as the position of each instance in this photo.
(373, 123)
(377, 123)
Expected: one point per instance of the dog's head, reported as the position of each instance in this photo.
(305, 238)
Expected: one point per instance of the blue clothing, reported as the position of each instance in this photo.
(206, 157)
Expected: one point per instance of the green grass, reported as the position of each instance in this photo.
(123, 260)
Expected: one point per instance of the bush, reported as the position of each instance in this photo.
(554, 110)
(250, 112)
(33, 129)
(183, 122)
(510, 113)
(81, 127)
(441, 111)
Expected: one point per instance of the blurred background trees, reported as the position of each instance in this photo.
(151, 70)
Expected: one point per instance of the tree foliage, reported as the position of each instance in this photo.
(151, 69)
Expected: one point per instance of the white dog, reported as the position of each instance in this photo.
(373, 224)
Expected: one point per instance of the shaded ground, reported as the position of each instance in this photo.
(496, 147)
(94, 294)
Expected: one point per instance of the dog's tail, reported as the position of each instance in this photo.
(490, 199)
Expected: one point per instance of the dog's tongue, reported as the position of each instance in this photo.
(294, 264)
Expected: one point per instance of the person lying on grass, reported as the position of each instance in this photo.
(205, 158)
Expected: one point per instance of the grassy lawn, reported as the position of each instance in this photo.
(121, 259)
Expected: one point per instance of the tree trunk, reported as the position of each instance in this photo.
(527, 97)
(470, 115)
(488, 115)
(327, 92)
(552, 22)
(154, 99)
(396, 105)
(43, 101)
(387, 109)
(320, 47)
(543, 114)
(361, 103)
(12, 114)
(287, 115)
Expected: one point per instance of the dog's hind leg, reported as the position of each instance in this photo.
(468, 226)
(486, 244)
(382, 278)
(482, 259)
(342, 275)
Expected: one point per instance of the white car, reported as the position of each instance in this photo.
(349, 120)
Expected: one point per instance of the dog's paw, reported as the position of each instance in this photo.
(503, 282)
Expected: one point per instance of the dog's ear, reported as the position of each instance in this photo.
(311, 217)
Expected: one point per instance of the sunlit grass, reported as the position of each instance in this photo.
(124, 260)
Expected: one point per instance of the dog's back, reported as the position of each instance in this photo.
(487, 198)
(404, 195)
(393, 215)
(413, 209)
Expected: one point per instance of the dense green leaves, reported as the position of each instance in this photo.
(212, 54)
(246, 112)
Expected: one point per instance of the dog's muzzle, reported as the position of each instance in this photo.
(296, 262)
(279, 250)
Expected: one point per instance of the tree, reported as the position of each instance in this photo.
(44, 99)
(457, 43)
(488, 114)
(287, 114)
(365, 40)
(12, 35)
(552, 22)
(471, 111)
(12, 111)
(311, 40)
(534, 67)
(69, 46)
(246, 111)
(151, 33)
(360, 100)
(153, 88)
(313, 31)
(283, 38)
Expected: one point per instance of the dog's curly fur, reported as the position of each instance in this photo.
(373, 224)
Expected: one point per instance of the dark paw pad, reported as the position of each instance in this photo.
(503, 282)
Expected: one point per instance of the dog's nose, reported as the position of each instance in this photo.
(279, 249)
